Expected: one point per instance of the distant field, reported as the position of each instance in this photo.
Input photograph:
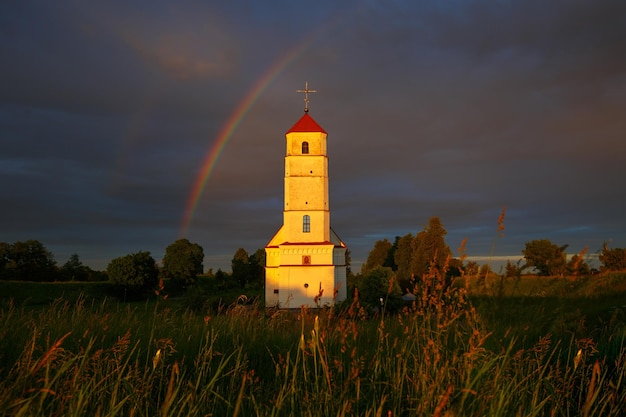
(590, 286)
(532, 307)
(32, 294)
(44, 293)
(533, 346)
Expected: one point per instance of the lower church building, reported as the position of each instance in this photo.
(305, 261)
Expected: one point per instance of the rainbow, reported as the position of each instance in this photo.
(231, 125)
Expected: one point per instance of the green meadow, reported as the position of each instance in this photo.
(492, 347)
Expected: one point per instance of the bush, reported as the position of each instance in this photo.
(135, 272)
(613, 259)
(378, 288)
(183, 262)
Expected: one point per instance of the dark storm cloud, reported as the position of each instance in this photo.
(451, 109)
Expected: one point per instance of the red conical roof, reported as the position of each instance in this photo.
(306, 124)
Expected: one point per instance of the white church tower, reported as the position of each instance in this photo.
(305, 258)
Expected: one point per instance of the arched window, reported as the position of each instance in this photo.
(306, 223)
(305, 147)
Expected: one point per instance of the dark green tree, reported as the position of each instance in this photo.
(546, 257)
(348, 263)
(183, 262)
(513, 270)
(257, 267)
(136, 272)
(221, 279)
(455, 268)
(577, 266)
(402, 258)
(390, 262)
(30, 261)
(378, 289)
(471, 268)
(5, 258)
(612, 259)
(241, 267)
(377, 256)
(74, 270)
(430, 248)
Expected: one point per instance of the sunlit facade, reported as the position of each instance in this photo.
(305, 258)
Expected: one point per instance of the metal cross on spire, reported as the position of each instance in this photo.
(306, 92)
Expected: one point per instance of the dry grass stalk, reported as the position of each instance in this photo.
(443, 401)
(240, 395)
(592, 392)
(171, 392)
(50, 354)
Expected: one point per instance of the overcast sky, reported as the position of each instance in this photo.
(454, 109)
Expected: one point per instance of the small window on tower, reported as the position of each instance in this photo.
(306, 223)
(306, 260)
(305, 147)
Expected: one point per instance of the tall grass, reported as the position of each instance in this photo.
(438, 357)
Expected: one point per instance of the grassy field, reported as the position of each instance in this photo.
(546, 347)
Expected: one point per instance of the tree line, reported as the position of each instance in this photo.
(182, 264)
(407, 259)
(394, 269)
(30, 261)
